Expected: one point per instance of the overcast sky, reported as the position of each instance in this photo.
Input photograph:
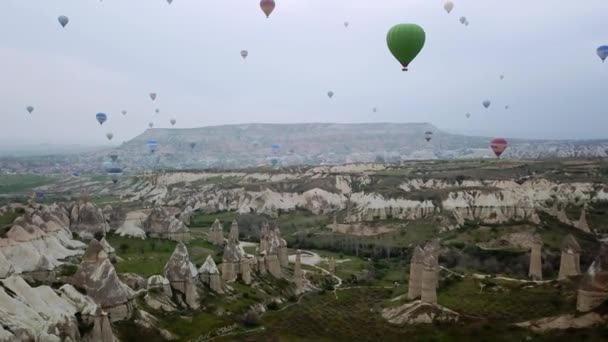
(114, 53)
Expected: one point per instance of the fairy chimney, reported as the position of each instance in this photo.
(570, 261)
(297, 272)
(429, 280)
(210, 275)
(416, 267)
(216, 233)
(582, 221)
(594, 287)
(536, 267)
(332, 265)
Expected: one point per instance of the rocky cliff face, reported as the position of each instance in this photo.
(38, 241)
(594, 287)
(87, 219)
(183, 275)
(98, 278)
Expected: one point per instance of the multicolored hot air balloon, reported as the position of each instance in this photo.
(153, 96)
(486, 103)
(244, 54)
(498, 146)
(602, 52)
(152, 145)
(101, 118)
(29, 109)
(267, 7)
(330, 94)
(448, 6)
(109, 135)
(172, 121)
(428, 135)
(405, 42)
(63, 20)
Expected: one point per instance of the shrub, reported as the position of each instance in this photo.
(273, 306)
(123, 248)
(251, 319)
(99, 235)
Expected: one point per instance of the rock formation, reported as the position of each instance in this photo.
(110, 251)
(332, 265)
(570, 260)
(176, 230)
(429, 280)
(155, 224)
(97, 277)
(536, 267)
(582, 221)
(182, 276)
(87, 220)
(216, 233)
(594, 287)
(186, 215)
(233, 254)
(159, 294)
(133, 225)
(210, 275)
(115, 216)
(418, 312)
(246, 270)
(37, 243)
(274, 250)
(298, 276)
(43, 314)
(416, 270)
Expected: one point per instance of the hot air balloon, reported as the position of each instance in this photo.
(602, 52)
(169, 2)
(507, 107)
(486, 103)
(274, 161)
(107, 166)
(101, 118)
(498, 146)
(109, 135)
(192, 145)
(330, 94)
(346, 24)
(463, 20)
(150, 124)
(405, 42)
(172, 121)
(75, 174)
(39, 195)
(374, 109)
(157, 111)
(124, 112)
(29, 109)
(63, 20)
(466, 23)
(244, 53)
(468, 115)
(113, 156)
(267, 7)
(448, 6)
(428, 135)
(152, 145)
(153, 96)
(502, 77)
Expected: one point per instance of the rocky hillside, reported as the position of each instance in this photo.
(324, 143)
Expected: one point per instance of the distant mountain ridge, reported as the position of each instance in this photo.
(246, 145)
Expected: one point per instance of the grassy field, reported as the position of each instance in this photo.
(22, 183)
(148, 257)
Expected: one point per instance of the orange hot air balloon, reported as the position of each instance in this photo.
(498, 146)
(267, 7)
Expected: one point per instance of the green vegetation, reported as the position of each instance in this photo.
(22, 183)
(202, 220)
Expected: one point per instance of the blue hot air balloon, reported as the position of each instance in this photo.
(63, 20)
(39, 195)
(101, 118)
(152, 145)
(275, 148)
(602, 52)
(274, 161)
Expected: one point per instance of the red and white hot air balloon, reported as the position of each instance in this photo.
(267, 7)
(498, 146)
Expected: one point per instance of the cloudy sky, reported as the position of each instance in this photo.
(113, 53)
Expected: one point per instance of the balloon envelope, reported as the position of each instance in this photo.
(29, 109)
(152, 145)
(463, 20)
(498, 146)
(602, 52)
(109, 136)
(101, 118)
(192, 145)
(113, 156)
(124, 112)
(428, 135)
(157, 111)
(153, 96)
(486, 103)
(172, 121)
(346, 24)
(468, 115)
(63, 20)
(330, 94)
(448, 6)
(405, 42)
(150, 124)
(267, 7)
(244, 53)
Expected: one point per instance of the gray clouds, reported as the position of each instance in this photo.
(113, 53)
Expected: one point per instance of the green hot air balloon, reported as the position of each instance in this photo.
(405, 42)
